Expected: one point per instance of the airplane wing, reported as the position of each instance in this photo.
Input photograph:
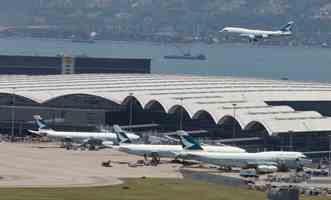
(251, 36)
(108, 144)
(248, 139)
(55, 120)
(316, 152)
(140, 126)
(267, 163)
(34, 132)
(173, 136)
(255, 37)
(189, 132)
(162, 139)
(192, 156)
(172, 139)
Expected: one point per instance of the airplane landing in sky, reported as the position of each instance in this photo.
(254, 34)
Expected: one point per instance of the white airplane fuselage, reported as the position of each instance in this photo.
(104, 136)
(171, 150)
(255, 32)
(243, 159)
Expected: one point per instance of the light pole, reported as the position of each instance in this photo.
(131, 107)
(181, 114)
(329, 155)
(291, 140)
(13, 114)
(234, 121)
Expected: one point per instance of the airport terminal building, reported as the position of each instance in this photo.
(279, 114)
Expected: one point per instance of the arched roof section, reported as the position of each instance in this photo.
(127, 97)
(99, 95)
(228, 117)
(253, 124)
(131, 98)
(25, 97)
(177, 108)
(275, 126)
(213, 110)
(203, 114)
(150, 104)
(167, 103)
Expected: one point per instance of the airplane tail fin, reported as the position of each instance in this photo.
(40, 123)
(121, 135)
(187, 141)
(288, 27)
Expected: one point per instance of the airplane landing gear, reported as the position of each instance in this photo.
(155, 159)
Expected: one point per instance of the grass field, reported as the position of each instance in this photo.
(140, 189)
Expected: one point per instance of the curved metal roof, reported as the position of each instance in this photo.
(221, 97)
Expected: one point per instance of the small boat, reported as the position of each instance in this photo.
(187, 56)
(325, 45)
(82, 40)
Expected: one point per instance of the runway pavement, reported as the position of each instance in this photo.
(28, 165)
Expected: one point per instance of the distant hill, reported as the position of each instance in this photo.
(313, 17)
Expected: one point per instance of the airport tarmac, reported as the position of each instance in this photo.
(44, 165)
(234, 179)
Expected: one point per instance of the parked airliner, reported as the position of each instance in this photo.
(188, 144)
(271, 158)
(80, 137)
(255, 34)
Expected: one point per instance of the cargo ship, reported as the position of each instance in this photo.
(187, 56)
